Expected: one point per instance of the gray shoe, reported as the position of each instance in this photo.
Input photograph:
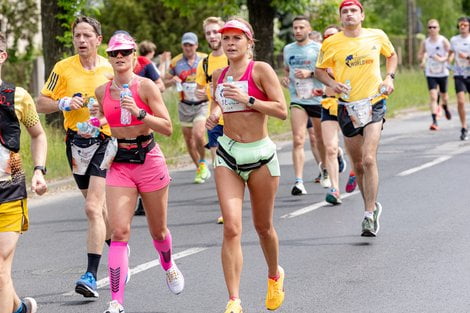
(368, 227)
(377, 212)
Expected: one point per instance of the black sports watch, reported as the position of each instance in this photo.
(43, 169)
(142, 114)
(392, 75)
(251, 101)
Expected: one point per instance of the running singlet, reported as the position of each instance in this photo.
(435, 68)
(180, 67)
(12, 178)
(302, 57)
(68, 77)
(357, 59)
(145, 68)
(112, 107)
(246, 83)
(461, 44)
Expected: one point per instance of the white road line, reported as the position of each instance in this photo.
(315, 206)
(425, 165)
(145, 266)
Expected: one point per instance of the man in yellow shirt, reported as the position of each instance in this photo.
(16, 106)
(71, 84)
(215, 60)
(354, 56)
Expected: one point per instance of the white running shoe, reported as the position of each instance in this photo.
(325, 181)
(174, 279)
(31, 305)
(298, 189)
(114, 307)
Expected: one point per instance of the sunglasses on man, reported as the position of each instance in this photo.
(124, 53)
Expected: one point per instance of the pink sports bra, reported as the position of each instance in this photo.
(253, 90)
(112, 107)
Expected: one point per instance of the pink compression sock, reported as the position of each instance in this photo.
(118, 263)
(164, 250)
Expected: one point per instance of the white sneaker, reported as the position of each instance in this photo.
(298, 189)
(174, 279)
(325, 181)
(114, 307)
(31, 305)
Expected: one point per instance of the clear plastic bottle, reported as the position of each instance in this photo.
(345, 95)
(227, 100)
(85, 128)
(179, 87)
(125, 114)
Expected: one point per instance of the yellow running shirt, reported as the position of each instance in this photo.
(356, 59)
(68, 77)
(213, 63)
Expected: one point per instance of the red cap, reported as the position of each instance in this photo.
(346, 3)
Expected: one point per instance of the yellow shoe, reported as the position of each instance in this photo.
(220, 220)
(275, 294)
(234, 306)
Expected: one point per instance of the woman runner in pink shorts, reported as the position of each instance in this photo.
(138, 167)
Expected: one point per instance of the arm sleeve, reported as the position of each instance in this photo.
(55, 85)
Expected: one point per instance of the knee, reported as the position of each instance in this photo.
(369, 161)
(5, 276)
(264, 230)
(298, 141)
(93, 211)
(232, 232)
(331, 150)
(121, 233)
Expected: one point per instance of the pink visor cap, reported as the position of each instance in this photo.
(121, 41)
(234, 24)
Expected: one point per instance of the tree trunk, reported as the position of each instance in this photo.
(53, 50)
(262, 19)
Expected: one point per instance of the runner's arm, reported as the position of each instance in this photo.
(38, 153)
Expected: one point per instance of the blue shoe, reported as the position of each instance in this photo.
(341, 161)
(86, 286)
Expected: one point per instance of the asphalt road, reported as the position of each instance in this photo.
(420, 261)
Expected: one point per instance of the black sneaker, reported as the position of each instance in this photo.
(463, 134)
(140, 208)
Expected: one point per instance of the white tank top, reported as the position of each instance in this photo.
(435, 68)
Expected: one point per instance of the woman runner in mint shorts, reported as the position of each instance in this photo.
(246, 156)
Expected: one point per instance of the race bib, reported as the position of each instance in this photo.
(189, 91)
(360, 112)
(230, 105)
(5, 169)
(435, 67)
(303, 88)
(82, 153)
(109, 154)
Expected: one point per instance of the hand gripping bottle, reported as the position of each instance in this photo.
(227, 100)
(125, 114)
(92, 127)
(345, 95)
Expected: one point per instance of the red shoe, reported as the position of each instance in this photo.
(433, 127)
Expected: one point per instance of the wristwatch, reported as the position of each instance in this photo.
(142, 114)
(43, 169)
(251, 101)
(392, 75)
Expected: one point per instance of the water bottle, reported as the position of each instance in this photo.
(227, 100)
(345, 95)
(125, 114)
(86, 128)
(229, 79)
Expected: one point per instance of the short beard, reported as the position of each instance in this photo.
(219, 45)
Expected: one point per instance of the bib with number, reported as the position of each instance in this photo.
(303, 87)
(230, 105)
(189, 91)
(360, 112)
(82, 154)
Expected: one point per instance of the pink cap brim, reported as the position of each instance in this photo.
(234, 24)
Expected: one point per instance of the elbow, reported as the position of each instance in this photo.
(168, 130)
(283, 112)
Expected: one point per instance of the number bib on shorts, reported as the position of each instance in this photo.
(230, 105)
(360, 112)
(109, 154)
(82, 154)
(5, 169)
(303, 88)
(189, 91)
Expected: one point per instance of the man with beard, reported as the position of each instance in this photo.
(215, 60)
(299, 64)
